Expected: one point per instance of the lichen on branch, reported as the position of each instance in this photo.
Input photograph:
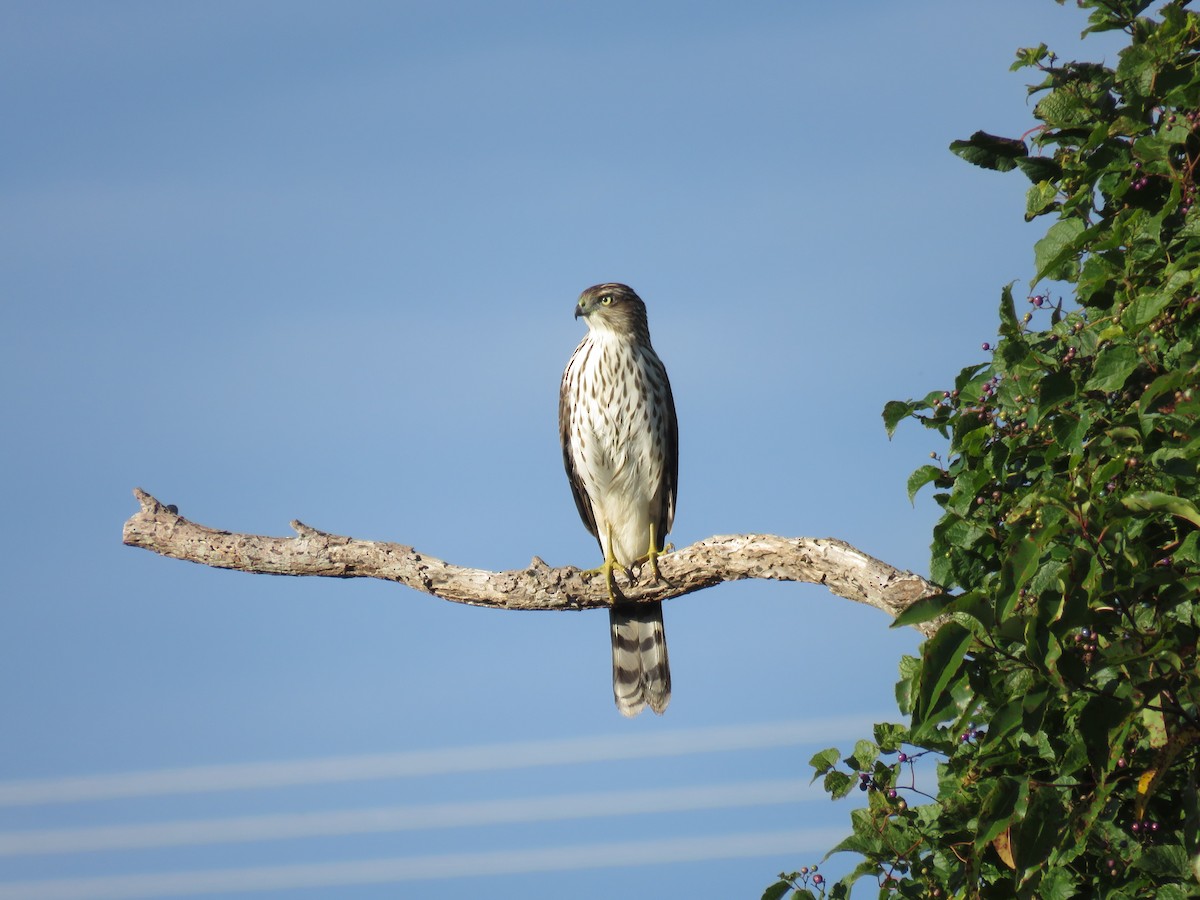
(846, 571)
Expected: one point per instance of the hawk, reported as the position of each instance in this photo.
(620, 440)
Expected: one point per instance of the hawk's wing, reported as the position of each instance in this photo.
(582, 501)
(670, 462)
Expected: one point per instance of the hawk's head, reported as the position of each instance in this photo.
(613, 307)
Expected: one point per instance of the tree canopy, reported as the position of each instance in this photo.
(1054, 717)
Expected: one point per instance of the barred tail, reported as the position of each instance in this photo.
(641, 674)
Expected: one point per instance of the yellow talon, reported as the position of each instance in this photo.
(606, 569)
(654, 553)
(610, 563)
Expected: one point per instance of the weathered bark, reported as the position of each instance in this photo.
(846, 571)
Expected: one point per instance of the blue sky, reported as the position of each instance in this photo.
(312, 260)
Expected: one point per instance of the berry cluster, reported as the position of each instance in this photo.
(971, 734)
(867, 783)
(1138, 181)
(1086, 644)
(1145, 829)
(1191, 121)
(1038, 301)
(808, 875)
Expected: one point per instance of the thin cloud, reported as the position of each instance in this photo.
(243, 829)
(409, 764)
(451, 865)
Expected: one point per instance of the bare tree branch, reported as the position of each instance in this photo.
(847, 572)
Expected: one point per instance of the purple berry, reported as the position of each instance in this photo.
(903, 757)
(986, 346)
(818, 879)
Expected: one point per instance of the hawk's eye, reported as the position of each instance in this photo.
(606, 300)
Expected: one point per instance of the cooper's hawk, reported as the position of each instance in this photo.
(620, 440)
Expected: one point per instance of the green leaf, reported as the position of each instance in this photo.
(1157, 501)
(923, 610)
(1068, 431)
(1058, 884)
(1046, 577)
(864, 756)
(941, 567)
(1070, 106)
(1041, 170)
(1137, 69)
(1020, 565)
(1189, 550)
(1191, 223)
(1056, 387)
(1006, 719)
(1144, 308)
(1054, 254)
(1165, 860)
(1010, 325)
(990, 152)
(825, 760)
(838, 784)
(910, 668)
(1028, 57)
(866, 838)
(889, 736)
(941, 660)
(999, 807)
(968, 375)
(920, 478)
(776, 891)
(1040, 831)
(1113, 368)
(1100, 717)
(1040, 198)
(894, 411)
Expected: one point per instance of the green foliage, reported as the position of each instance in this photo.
(1055, 716)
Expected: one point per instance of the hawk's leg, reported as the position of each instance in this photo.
(606, 569)
(654, 553)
